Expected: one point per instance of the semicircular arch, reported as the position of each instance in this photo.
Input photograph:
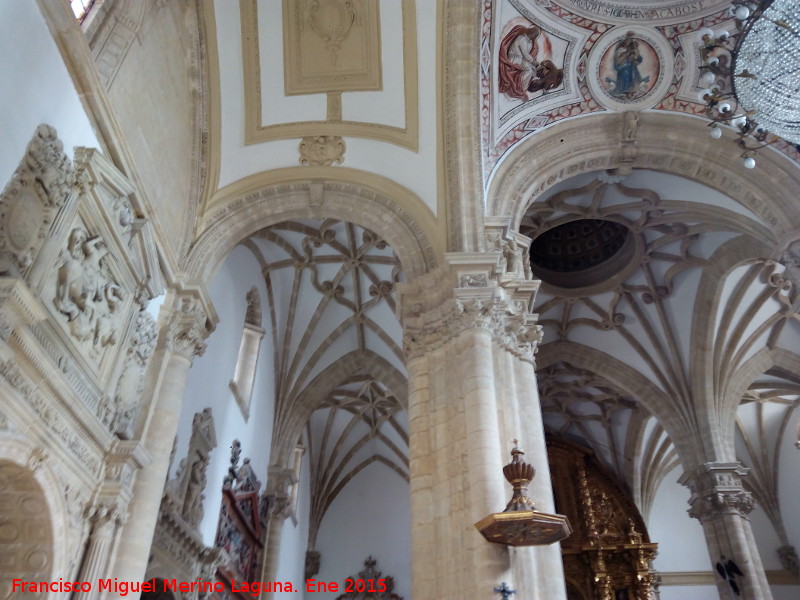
(666, 142)
(16, 456)
(371, 201)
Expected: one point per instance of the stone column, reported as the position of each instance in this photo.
(105, 520)
(181, 338)
(279, 509)
(720, 502)
(535, 568)
(465, 332)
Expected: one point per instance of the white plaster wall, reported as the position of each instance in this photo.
(208, 385)
(689, 592)
(36, 87)
(371, 516)
(789, 477)
(294, 541)
(416, 171)
(681, 543)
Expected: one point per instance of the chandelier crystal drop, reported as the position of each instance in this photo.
(751, 77)
(771, 51)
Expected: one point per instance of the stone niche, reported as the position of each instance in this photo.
(73, 237)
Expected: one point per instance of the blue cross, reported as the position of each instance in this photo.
(503, 589)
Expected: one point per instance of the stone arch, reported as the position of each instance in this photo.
(288, 431)
(628, 381)
(33, 524)
(727, 258)
(376, 203)
(667, 142)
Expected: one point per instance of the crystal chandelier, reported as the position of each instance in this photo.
(752, 76)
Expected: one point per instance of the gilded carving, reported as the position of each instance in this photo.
(322, 150)
(86, 292)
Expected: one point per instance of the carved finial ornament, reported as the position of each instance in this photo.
(520, 524)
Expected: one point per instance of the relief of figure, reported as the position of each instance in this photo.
(71, 293)
(514, 263)
(84, 291)
(193, 500)
(520, 71)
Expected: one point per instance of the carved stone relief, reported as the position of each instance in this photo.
(178, 549)
(331, 45)
(39, 186)
(185, 495)
(86, 291)
(131, 382)
(322, 150)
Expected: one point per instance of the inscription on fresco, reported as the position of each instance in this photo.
(633, 12)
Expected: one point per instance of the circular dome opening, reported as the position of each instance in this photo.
(581, 253)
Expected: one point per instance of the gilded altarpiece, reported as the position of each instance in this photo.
(609, 554)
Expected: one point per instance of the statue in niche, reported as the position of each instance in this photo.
(514, 262)
(185, 492)
(193, 500)
(85, 292)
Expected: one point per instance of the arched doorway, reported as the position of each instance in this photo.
(26, 532)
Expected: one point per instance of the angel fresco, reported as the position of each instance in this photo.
(520, 71)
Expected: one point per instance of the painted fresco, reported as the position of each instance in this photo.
(629, 69)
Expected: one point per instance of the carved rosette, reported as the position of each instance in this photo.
(717, 490)
(39, 187)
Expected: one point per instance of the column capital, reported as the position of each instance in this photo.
(277, 493)
(191, 320)
(107, 514)
(718, 489)
(470, 291)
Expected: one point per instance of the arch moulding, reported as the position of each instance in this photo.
(378, 204)
(670, 143)
(34, 460)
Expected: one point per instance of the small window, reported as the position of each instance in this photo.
(294, 489)
(81, 8)
(242, 383)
